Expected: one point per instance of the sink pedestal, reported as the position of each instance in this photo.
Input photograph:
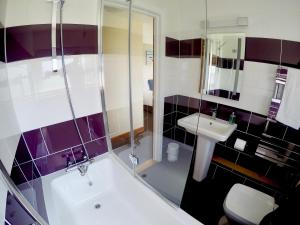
(204, 153)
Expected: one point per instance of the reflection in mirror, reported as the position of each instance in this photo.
(225, 64)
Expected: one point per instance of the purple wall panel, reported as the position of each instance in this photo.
(51, 146)
(35, 143)
(172, 47)
(61, 136)
(264, 50)
(54, 162)
(96, 126)
(291, 54)
(2, 54)
(34, 41)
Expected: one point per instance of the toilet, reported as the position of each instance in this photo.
(245, 205)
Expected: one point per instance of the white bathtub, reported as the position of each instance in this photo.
(123, 200)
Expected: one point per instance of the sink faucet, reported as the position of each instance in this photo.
(214, 112)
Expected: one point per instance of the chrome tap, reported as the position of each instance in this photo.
(214, 112)
(83, 168)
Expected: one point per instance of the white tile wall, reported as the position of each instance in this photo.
(9, 133)
(27, 12)
(39, 95)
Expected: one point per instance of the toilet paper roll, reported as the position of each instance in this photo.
(240, 144)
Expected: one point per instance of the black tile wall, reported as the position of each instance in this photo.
(190, 48)
(291, 54)
(250, 128)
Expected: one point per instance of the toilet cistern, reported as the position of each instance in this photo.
(209, 132)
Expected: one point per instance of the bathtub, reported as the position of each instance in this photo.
(107, 195)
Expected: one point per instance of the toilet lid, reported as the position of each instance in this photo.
(247, 205)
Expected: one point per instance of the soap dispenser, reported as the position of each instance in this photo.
(232, 118)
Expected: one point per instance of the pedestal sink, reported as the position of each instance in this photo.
(209, 132)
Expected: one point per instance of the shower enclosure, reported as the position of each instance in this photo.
(86, 78)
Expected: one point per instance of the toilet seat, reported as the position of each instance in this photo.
(246, 205)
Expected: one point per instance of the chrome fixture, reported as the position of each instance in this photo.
(214, 112)
(24, 203)
(82, 165)
(134, 159)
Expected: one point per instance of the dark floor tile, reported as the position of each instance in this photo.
(257, 124)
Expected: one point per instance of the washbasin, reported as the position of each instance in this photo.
(216, 129)
(209, 131)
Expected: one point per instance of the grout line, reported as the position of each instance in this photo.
(88, 123)
(44, 141)
(237, 158)
(213, 176)
(30, 154)
(266, 174)
(284, 133)
(23, 174)
(248, 123)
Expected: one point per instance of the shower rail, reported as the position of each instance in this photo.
(15, 192)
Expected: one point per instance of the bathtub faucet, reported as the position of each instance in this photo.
(83, 168)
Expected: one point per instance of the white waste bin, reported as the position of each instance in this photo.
(173, 150)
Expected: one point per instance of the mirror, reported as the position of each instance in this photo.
(225, 64)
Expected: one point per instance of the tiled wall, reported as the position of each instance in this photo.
(265, 50)
(45, 150)
(250, 128)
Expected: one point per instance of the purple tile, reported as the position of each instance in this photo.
(97, 147)
(84, 128)
(190, 139)
(257, 124)
(22, 154)
(28, 42)
(197, 47)
(194, 105)
(61, 136)
(291, 53)
(79, 153)
(79, 39)
(293, 136)
(265, 50)
(186, 48)
(179, 134)
(34, 41)
(17, 176)
(96, 126)
(276, 129)
(207, 106)
(182, 104)
(35, 143)
(169, 105)
(242, 116)
(2, 54)
(54, 162)
(29, 170)
(172, 47)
